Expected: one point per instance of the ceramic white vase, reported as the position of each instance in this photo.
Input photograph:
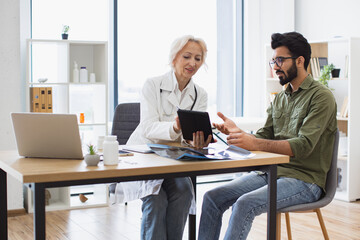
(92, 160)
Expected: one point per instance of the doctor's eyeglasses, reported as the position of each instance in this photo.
(279, 61)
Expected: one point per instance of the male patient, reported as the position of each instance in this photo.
(301, 123)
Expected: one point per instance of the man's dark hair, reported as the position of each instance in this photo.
(295, 42)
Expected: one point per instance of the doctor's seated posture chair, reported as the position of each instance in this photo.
(126, 119)
(330, 188)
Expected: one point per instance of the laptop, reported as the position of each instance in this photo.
(47, 135)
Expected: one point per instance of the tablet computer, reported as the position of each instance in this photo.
(193, 121)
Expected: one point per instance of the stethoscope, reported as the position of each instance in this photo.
(192, 106)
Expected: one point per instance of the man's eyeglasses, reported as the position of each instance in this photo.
(279, 61)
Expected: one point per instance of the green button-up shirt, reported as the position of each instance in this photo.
(307, 119)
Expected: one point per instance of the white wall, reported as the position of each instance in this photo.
(262, 18)
(325, 19)
(11, 86)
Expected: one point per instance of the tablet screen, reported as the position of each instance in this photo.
(193, 121)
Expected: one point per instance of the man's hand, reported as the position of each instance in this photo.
(251, 143)
(243, 140)
(228, 126)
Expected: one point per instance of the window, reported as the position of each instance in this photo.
(144, 39)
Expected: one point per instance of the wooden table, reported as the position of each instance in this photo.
(47, 173)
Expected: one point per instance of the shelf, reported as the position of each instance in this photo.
(342, 158)
(58, 199)
(65, 83)
(97, 196)
(47, 83)
(88, 83)
(339, 79)
(56, 205)
(342, 118)
(91, 124)
(341, 195)
(334, 79)
(54, 60)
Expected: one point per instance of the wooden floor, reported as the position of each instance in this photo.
(342, 221)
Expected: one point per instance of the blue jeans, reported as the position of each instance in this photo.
(164, 216)
(248, 197)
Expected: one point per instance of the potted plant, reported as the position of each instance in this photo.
(92, 158)
(65, 32)
(335, 73)
(326, 74)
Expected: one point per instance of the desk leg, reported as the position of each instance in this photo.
(3, 206)
(192, 218)
(272, 192)
(39, 211)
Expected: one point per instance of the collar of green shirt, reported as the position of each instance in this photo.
(304, 85)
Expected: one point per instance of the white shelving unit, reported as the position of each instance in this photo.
(344, 53)
(68, 197)
(54, 60)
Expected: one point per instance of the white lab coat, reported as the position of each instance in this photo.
(159, 106)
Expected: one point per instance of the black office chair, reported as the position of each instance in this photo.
(330, 188)
(126, 119)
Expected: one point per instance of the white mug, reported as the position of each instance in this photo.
(100, 142)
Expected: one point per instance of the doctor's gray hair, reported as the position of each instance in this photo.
(179, 44)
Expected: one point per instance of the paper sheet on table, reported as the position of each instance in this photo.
(183, 153)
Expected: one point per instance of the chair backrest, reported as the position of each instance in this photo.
(331, 179)
(330, 186)
(126, 119)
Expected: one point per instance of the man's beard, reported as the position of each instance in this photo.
(291, 74)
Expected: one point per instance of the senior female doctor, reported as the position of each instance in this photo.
(166, 202)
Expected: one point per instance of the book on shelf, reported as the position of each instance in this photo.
(323, 61)
(346, 75)
(344, 112)
(314, 68)
(316, 65)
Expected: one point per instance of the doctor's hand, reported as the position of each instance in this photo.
(176, 125)
(199, 141)
(228, 126)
